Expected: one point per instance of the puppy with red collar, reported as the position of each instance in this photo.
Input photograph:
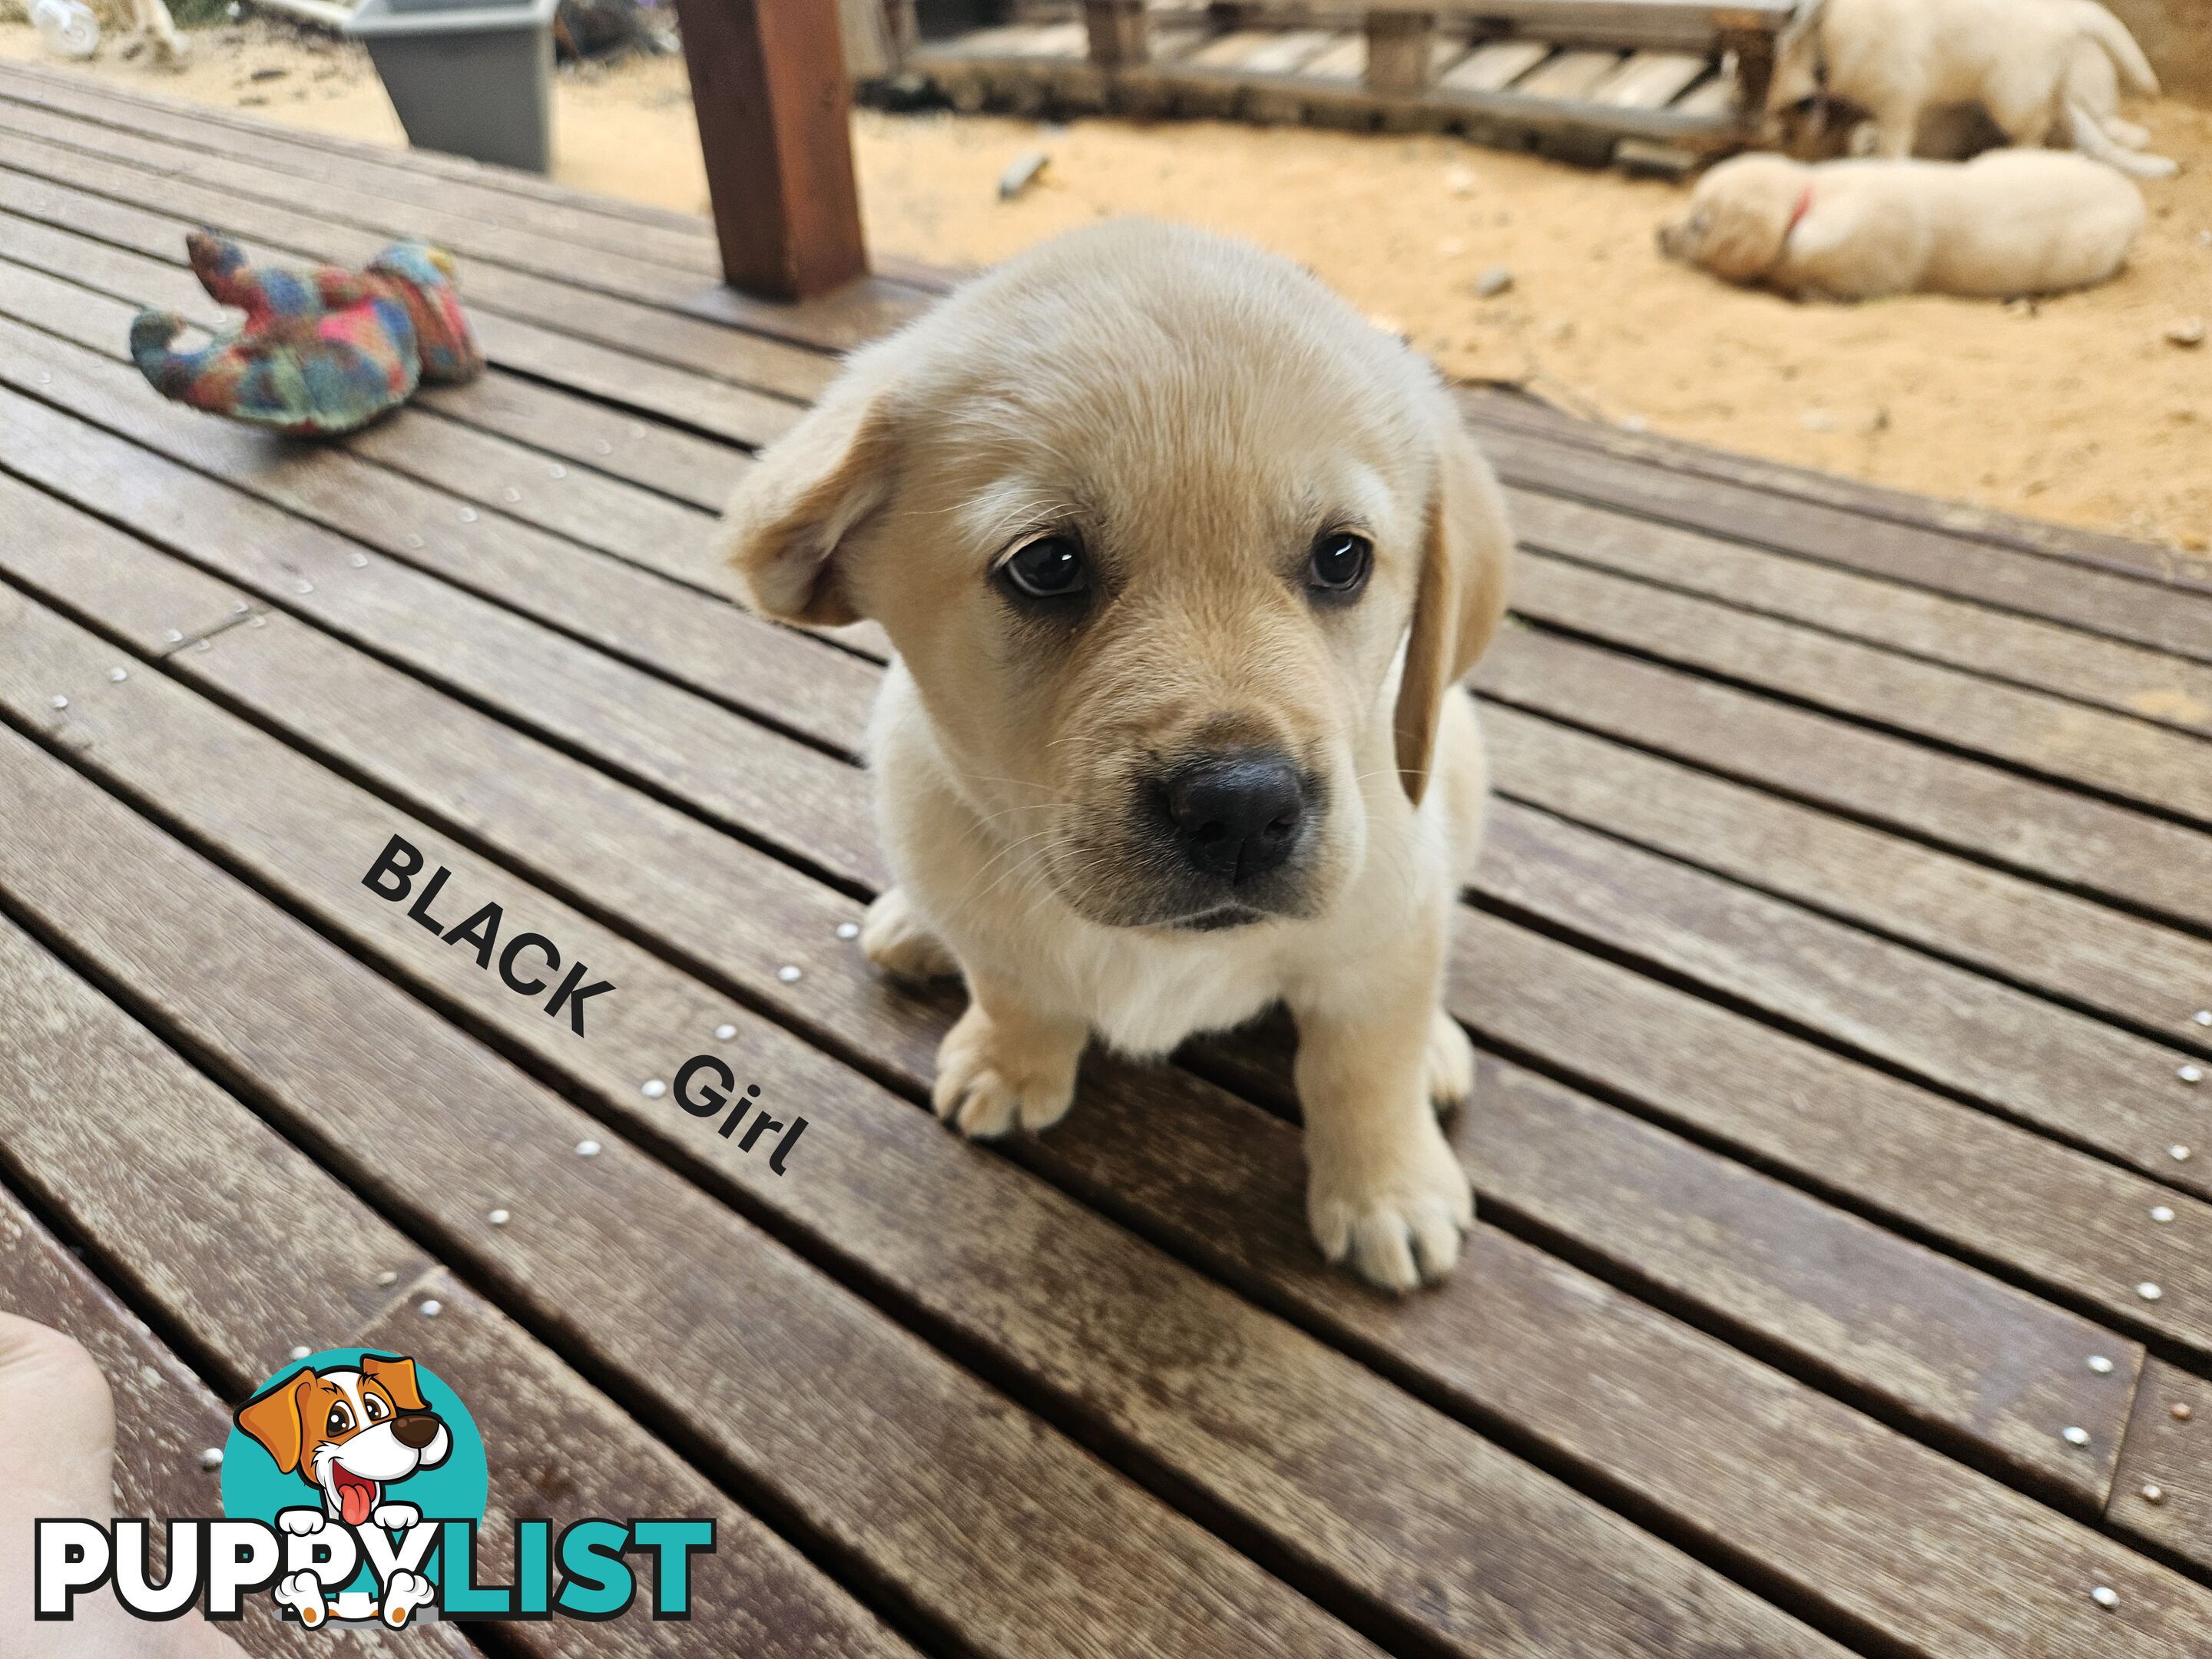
(2007, 223)
(350, 1434)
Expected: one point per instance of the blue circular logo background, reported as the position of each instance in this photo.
(458, 1489)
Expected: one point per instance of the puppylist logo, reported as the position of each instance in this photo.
(353, 1487)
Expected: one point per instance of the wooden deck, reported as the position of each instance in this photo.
(1837, 961)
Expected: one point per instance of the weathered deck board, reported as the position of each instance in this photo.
(1840, 937)
(818, 967)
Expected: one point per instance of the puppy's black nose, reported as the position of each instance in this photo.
(416, 1429)
(1238, 817)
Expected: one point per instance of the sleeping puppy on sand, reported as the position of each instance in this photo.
(2011, 222)
(1184, 561)
(2048, 72)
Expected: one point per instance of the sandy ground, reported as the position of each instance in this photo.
(2078, 410)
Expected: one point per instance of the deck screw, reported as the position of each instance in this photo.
(2190, 1073)
(2148, 1291)
(557, 470)
(173, 636)
(205, 645)
(2075, 1436)
(498, 1217)
(299, 1351)
(2203, 1016)
(118, 675)
(2182, 1411)
(59, 701)
(2178, 1152)
(211, 1458)
(848, 930)
(654, 1088)
(587, 1149)
(303, 587)
(387, 1278)
(602, 447)
(2105, 1597)
(724, 1033)
(2161, 1213)
(358, 561)
(2099, 1365)
(431, 1309)
(510, 494)
(2153, 1492)
(240, 607)
(468, 515)
(787, 973)
(257, 621)
(413, 541)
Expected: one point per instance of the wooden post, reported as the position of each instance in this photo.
(1750, 36)
(1118, 35)
(768, 82)
(1400, 46)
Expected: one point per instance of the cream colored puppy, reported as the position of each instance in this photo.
(1184, 561)
(2047, 71)
(2010, 222)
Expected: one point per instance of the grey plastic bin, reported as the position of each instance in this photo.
(475, 80)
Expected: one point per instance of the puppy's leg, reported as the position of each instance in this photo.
(1450, 1062)
(1004, 1064)
(2126, 132)
(2091, 139)
(1384, 1190)
(900, 943)
(1896, 125)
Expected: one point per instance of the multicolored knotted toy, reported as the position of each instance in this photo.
(321, 351)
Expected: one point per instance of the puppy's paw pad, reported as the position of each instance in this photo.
(403, 1592)
(984, 1088)
(302, 1592)
(893, 938)
(1400, 1229)
(1450, 1062)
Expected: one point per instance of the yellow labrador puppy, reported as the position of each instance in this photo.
(2008, 222)
(2046, 72)
(1184, 561)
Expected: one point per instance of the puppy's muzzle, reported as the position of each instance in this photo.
(1237, 818)
(416, 1429)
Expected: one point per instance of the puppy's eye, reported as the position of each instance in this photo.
(1049, 568)
(340, 1420)
(374, 1409)
(1339, 563)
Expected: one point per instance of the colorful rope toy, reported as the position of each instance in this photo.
(322, 351)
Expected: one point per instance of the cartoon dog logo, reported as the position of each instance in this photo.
(351, 1434)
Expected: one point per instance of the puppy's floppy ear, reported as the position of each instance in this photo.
(783, 527)
(1461, 599)
(273, 1418)
(397, 1377)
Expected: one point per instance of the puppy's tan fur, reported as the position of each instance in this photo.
(1197, 412)
(2046, 72)
(2010, 222)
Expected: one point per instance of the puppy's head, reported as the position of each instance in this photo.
(349, 1432)
(1149, 516)
(1799, 76)
(1739, 218)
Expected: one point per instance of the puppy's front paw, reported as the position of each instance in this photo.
(897, 941)
(1394, 1213)
(1450, 1062)
(403, 1592)
(301, 1523)
(395, 1517)
(992, 1077)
